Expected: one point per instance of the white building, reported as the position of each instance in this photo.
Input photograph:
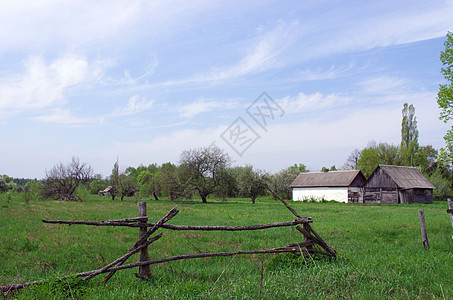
(341, 186)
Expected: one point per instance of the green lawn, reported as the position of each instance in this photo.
(380, 251)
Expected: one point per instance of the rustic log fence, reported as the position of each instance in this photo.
(312, 243)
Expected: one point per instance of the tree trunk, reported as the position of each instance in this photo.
(253, 199)
(203, 197)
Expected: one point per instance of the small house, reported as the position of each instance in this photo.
(106, 192)
(341, 186)
(397, 184)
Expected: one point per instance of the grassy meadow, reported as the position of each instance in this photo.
(381, 255)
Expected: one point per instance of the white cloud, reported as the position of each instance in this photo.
(307, 103)
(62, 116)
(332, 73)
(135, 105)
(199, 106)
(384, 85)
(398, 25)
(43, 85)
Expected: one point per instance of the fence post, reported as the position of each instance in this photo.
(421, 216)
(143, 271)
(450, 208)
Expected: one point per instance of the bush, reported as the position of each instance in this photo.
(442, 184)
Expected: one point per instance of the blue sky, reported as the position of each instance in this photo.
(145, 80)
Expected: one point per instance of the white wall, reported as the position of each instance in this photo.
(339, 194)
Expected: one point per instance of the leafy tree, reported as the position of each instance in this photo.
(127, 186)
(61, 181)
(426, 159)
(409, 135)
(204, 169)
(376, 154)
(97, 185)
(442, 184)
(171, 182)
(6, 183)
(115, 180)
(249, 183)
(368, 161)
(31, 190)
(445, 100)
(282, 180)
(301, 168)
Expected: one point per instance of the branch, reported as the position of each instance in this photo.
(279, 198)
(303, 220)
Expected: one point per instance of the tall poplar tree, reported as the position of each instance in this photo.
(409, 134)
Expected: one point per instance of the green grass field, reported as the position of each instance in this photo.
(380, 251)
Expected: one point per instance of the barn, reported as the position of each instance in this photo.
(341, 186)
(397, 184)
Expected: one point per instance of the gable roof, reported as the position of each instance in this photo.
(406, 177)
(326, 179)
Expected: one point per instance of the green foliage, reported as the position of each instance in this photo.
(445, 94)
(443, 187)
(374, 155)
(409, 135)
(97, 185)
(445, 100)
(249, 184)
(31, 191)
(204, 169)
(6, 183)
(282, 180)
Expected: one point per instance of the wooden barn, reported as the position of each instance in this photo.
(397, 184)
(341, 186)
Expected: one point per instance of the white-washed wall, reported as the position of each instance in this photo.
(339, 194)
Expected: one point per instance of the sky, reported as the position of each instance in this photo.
(273, 83)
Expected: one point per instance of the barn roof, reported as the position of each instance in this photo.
(406, 177)
(327, 179)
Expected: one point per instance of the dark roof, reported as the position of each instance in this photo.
(406, 177)
(320, 179)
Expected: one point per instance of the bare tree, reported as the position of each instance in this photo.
(62, 180)
(352, 160)
(203, 169)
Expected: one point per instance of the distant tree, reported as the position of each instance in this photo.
(282, 180)
(301, 168)
(115, 180)
(426, 159)
(376, 154)
(61, 181)
(445, 101)
(368, 161)
(97, 185)
(6, 183)
(172, 183)
(249, 183)
(127, 186)
(352, 160)
(31, 190)
(204, 169)
(409, 135)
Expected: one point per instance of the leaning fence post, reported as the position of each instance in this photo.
(421, 216)
(450, 211)
(143, 271)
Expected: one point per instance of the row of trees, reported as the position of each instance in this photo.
(202, 172)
